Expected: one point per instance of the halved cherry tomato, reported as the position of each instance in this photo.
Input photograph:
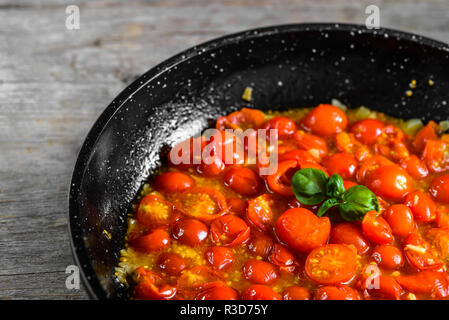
(154, 210)
(388, 257)
(190, 231)
(171, 263)
(156, 240)
(275, 181)
(243, 119)
(151, 287)
(197, 278)
(390, 182)
(237, 206)
(260, 272)
(420, 254)
(367, 130)
(339, 292)
(415, 167)
(442, 219)
(325, 120)
(283, 259)
(400, 218)
(439, 188)
(264, 210)
(316, 146)
(301, 230)
(385, 288)
(331, 264)
(436, 284)
(218, 292)
(348, 233)
(422, 206)
(212, 167)
(343, 164)
(260, 292)
(285, 126)
(429, 132)
(229, 230)
(219, 258)
(171, 182)
(296, 293)
(202, 203)
(376, 229)
(439, 239)
(369, 165)
(261, 244)
(243, 180)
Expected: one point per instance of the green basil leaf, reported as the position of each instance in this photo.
(356, 202)
(335, 187)
(329, 203)
(309, 185)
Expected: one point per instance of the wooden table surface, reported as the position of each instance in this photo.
(55, 82)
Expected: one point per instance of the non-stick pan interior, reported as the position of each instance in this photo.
(288, 66)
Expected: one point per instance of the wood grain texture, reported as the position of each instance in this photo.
(54, 83)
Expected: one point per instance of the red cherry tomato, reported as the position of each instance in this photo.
(439, 239)
(387, 288)
(156, 240)
(420, 254)
(171, 182)
(243, 180)
(229, 230)
(439, 188)
(212, 167)
(237, 206)
(154, 210)
(370, 164)
(150, 286)
(301, 230)
(390, 182)
(348, 184)
(331, 264)
(376, 229)
(218, 292)
(261, 244)
(296, 293)
(260, 272)
(172, 263)
(434, 155)
(435, 284)
(400, 218)
(298, 155)
(422, 206)
(283, 259)
(285, 126)
(260, 292)
(202, 203)
(343, 164)
(197, 278)
(226, 146)
(426, 133)
(415, 167)
(219, 258)
(278, 182)
(367, 130)
(388, 257)
(340, 292)
(325, 120)
(190, 231)
(264, 210)
(316, 146)
(348, 233)
(442, 219)
(243, 119)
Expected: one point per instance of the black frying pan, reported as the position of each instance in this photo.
(288, 66)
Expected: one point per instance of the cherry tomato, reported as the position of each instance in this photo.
(343, 164)
(298, 155)
(190, 231)
(442, 219)
(420, 254)
(296, 293)
(331, 264)
(156, 240)
(367, 130)
(325, 120)
(275, 181)
(260, 272)
(154, 210)
(243, 180)
(376, 229)
(171, 182)
(285, 126)
(436, 284)
(243, 119)
(226, 146)
(283, 259)
(426, 133)
(301, 230)
(434, 155)
(400, 218)
(237, 206)
(369, 165)
(260, 292)
(339, 292)
(229, 230)
(151, 287)
(439, 239)
(202, 203)
(261, 244)
(316, 146)
(212, 167)
(197, 278)
(172, 263)
(220, 292)
(348, 233)
(390, 182)
(263, 211)
(219, 258)
(439, 188)
(348, 184)
(388, 257)
(415, 167)
(422, 206)
(387, 288)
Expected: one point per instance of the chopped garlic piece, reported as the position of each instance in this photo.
(415, 248)
(247, 94)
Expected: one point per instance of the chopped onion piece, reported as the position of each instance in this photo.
(339, 104)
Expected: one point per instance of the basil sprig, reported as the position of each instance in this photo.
(312, 186)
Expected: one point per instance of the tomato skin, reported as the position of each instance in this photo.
(211, 169)
(275, 180)
(388, 288)
(376, 229)
(151, 287)
(422, 260)
(426, 133)
(390, 182)
(325, 120)
(439, 188)
(370, 164)
(388, 257)
(316, 146)
(243, 119)
(283, 259)
(367, 130)
(218, 293)
(296, 293)
(422, 206)
(190, 231)
(339, 292)
(260, 292)
(348, 233)
(172, 182)
(343, 164)
(285, 126)
(263, 211)
(348, 184)
(197, 278)
(156, 240)
(237, 205)
(260, 272)
(171, 263)
(442, 218)
(400, 218)
(301, 230)
(261, 244)
(439, 239)
(219, 258)
(243, 181)
(229, 230)
(426, 282)
(415, 167)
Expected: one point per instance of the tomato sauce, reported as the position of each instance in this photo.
(222, 231)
